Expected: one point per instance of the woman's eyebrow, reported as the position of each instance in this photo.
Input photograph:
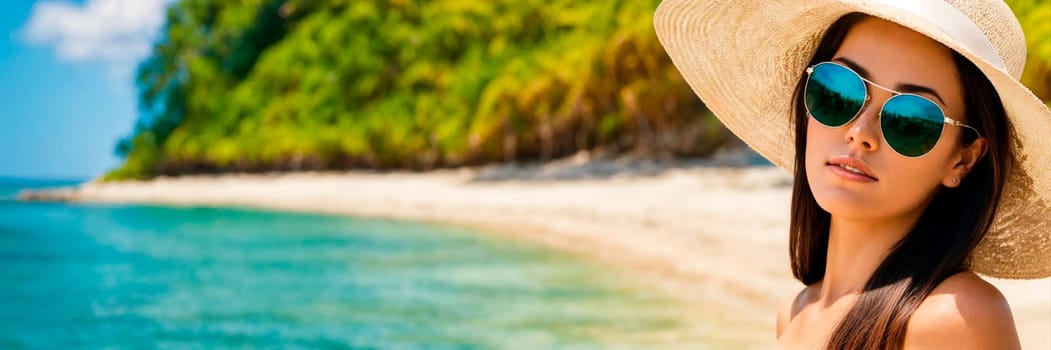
(913, 88)
(900, 87)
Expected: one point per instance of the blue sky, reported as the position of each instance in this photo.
(66, 84)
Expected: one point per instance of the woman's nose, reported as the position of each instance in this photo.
(864, 132)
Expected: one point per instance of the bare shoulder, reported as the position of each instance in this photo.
(790, 308)
(963, 312)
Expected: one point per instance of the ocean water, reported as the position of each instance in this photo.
(117, 276)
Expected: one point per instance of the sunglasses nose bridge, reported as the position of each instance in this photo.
(876, 97)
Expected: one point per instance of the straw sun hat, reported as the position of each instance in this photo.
(744, 57)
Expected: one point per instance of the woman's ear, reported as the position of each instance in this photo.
(965, 160)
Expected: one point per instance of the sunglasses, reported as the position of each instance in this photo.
(911, 124)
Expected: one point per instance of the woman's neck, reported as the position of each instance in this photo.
(855, 250)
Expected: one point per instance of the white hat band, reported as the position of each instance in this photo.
(955, 23)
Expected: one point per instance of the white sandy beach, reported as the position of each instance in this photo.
(714, 236)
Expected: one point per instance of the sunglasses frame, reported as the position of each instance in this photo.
(868, 97)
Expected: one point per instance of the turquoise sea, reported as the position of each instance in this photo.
(117, 276)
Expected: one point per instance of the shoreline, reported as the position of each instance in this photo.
(711, 235)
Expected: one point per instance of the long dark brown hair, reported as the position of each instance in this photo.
(938, 245)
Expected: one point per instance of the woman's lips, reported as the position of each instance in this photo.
(851, 168)
(849, 175)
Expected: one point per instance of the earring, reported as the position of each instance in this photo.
(955, 181)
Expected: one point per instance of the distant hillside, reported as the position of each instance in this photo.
(293, 85)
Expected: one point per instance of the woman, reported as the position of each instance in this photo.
(919, 160)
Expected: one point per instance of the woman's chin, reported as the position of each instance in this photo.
(845, 203)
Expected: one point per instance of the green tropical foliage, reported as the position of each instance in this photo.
(1035, 17)
(259, 85)
(265, 85)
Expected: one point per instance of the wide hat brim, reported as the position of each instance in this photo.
(743, 59)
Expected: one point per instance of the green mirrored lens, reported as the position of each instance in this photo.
(911, 124)
(834, 94)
